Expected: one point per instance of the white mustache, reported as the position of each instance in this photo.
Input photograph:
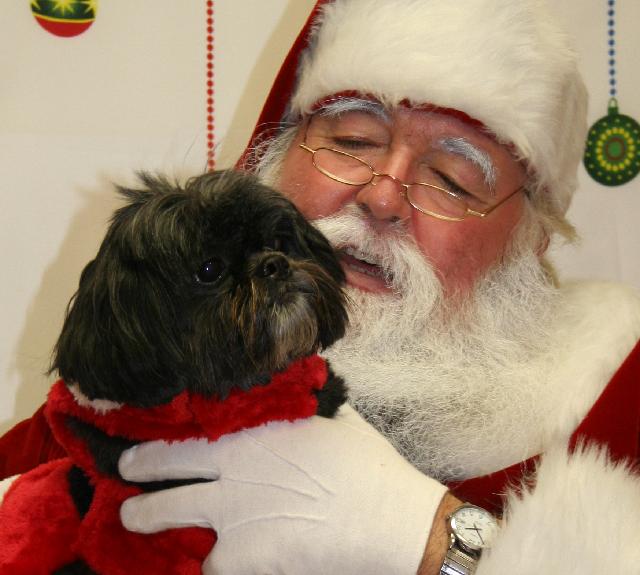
(394, 251)
(445, 384)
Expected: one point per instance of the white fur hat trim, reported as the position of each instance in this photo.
(505, 63)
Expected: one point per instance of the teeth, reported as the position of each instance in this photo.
(356, 253)
(367, 272)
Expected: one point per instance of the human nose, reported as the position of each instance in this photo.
(384, 197)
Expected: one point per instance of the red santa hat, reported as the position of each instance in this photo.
(504, 63)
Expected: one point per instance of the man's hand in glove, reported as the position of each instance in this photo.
(313, 496)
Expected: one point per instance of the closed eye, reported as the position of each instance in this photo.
(451, 186)
(352, 144)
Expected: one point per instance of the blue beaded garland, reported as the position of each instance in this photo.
(612, 52)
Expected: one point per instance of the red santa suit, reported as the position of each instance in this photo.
(579, 508)
(508, 66)
(42, 525)
(581, 499)
(591, 449)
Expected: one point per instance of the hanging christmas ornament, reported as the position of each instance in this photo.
(611, 157)
(64, 17)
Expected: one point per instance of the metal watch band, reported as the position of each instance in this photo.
(457, 562)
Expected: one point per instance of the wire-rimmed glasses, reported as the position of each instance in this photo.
(427, 198)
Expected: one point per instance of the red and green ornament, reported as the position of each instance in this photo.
(64, 18)
(611, 155)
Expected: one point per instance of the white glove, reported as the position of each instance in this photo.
(314, 496)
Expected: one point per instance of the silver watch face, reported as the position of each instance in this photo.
(474, 527)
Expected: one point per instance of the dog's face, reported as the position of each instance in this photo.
(205, 288)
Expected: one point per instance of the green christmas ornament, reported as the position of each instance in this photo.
(611, 155)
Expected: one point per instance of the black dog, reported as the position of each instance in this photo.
(200, 315)
(203, 289)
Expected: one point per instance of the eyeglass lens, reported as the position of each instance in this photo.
(354, 171)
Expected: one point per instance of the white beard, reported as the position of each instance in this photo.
(452, 387)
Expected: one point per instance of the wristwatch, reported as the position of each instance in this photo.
(471, 529)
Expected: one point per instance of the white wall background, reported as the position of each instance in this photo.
(129, 94)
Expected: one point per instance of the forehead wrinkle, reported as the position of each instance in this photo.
(464, 148)
(345, 105)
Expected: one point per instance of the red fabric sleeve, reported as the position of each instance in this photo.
(614, 419)
(27, 445)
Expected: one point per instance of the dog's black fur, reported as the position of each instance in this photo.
(208, 287)
(203, 288)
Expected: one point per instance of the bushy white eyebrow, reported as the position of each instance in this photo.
(354, 104)
(463, 147)
(452, 144)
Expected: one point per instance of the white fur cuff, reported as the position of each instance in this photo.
(582, 517)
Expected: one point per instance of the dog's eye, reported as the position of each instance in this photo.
(210, 271)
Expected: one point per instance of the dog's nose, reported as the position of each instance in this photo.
(274, 266)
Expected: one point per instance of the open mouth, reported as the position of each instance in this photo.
(359, 261)
(363, 270)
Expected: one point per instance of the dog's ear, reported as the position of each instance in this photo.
(319, 248)
(121, 339)
(333, 302)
